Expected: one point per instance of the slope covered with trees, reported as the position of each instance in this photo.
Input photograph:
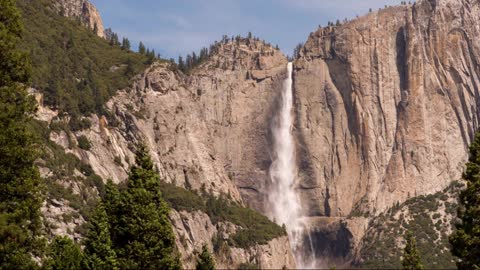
(20, 182)
(76, 70)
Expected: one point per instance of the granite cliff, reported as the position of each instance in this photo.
(83, 10)
(385, 106)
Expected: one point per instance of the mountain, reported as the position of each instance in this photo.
(385, 107)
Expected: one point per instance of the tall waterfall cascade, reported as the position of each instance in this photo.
(284, 203)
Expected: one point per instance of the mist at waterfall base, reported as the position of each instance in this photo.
(284, 202)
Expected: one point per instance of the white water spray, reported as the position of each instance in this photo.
(285, 207)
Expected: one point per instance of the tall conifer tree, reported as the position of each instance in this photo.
(143, 236)
(466, 239)
(20, 181)
(99, 254)
(411, 259)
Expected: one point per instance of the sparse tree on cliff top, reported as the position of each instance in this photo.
(141, 48)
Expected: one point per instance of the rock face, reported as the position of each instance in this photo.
(85, 11)
(208, 129)
(386, 106)
(205, 130)
(193, 230)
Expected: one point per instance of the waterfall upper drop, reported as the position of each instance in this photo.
(284, 202)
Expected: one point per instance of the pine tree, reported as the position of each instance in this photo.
(151, 56)
(205, 260)
(411, 259)
(95, 29)
(144, 237)
(20, 181)
(114, 40)
(130, 69)
(141, 48)
(63, 253)
(125, 44)
(99, 253)
(466, 239)
(181, 64)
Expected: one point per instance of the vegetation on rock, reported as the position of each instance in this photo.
(429, 218)
(76, 70)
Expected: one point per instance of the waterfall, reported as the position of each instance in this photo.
(284, 203)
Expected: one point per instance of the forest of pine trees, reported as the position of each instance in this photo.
(20, 182)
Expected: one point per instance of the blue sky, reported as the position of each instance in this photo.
(177, 27)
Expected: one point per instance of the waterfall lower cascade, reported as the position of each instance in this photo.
(284, 203)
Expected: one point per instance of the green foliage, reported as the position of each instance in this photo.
(75, 69)
(20, 183)
(205, 260)
(84, 143)
(99, 253)
(181, 199)
(422, 215)
(126, 44)
(141, 231)
(466, 240)
(62, 254)
(141, 48)
(411, 259)
(256, 227)
(63, 167)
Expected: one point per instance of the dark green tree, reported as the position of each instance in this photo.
(141, 48)
(466, 239)
(114, 41)
(143, 236)
(411, 259)
(20, 182)
(130, 69)
(99, 253)
(181, 64)
(125, 44)
(63, 254)
(95, 29)
(205, 260)
(151, 56)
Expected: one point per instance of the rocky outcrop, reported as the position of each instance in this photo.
(83, 10)
(208, 129)
(386, 106)
(195, 229)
